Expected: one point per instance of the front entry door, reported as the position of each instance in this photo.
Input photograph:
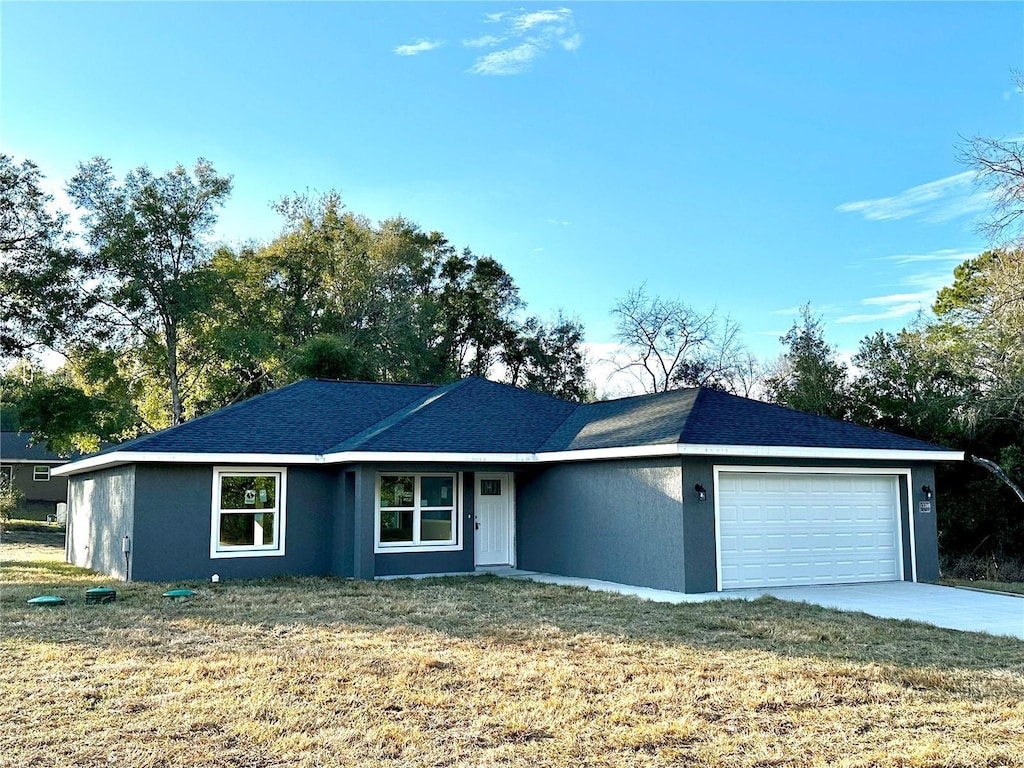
(493, 512)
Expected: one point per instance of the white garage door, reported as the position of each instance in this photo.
(779, 529)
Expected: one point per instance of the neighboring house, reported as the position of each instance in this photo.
(693, 490)
(30, 467)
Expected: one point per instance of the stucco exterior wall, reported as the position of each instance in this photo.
(701, 557)
(926, 534)
(173, 509)
(100, 515)
(55, 489)
(617, 521)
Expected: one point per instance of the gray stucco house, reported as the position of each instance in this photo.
(693, 490)
(30, 467)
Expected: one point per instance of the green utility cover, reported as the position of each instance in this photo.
(179, 593)
(100, 595)
(46, 600)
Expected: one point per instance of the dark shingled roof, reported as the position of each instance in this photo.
(644, 420)
(16, 446)
(308, 417)
(479, 416)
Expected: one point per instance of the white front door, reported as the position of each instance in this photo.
(492, 507)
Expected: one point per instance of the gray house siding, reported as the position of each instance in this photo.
(22, 473)
(616, 521)
(100, 516)
(411, 563)
(173, 508)
(926, 533)
(699, 548)
(700, 543)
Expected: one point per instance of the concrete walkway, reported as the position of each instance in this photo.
(965, 609)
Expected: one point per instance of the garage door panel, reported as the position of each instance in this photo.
(779, 529)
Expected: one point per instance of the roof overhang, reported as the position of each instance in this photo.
(116, 458)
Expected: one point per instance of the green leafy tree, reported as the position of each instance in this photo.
(808, 376)
(980, 323)
(40, 274)
(70, 409)
(907, 384)
(548, 358)
(147, 244)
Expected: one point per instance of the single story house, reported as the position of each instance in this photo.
(693, 490)
(29, 467)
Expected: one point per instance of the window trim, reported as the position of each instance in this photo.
(35, 473)
(392, 547)
(216, 551)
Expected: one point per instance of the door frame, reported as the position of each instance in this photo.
(895, 472)
(510, 493)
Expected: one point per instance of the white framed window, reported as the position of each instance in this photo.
(248, 511)
(418, 512)
(41, 472)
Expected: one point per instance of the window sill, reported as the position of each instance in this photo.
(388, 549)
(225, 554)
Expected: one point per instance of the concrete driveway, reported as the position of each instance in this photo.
(965, 609)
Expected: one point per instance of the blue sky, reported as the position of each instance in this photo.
(749, 156)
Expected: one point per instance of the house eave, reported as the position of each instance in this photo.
(116, 458)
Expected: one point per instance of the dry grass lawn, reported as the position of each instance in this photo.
(481, 672)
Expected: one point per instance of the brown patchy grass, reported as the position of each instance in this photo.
(1009, 587)
(482, 671)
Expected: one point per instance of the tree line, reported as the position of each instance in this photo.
(157, 324)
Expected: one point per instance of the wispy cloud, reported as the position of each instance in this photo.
(942, 256)
(935, 202)
(919, 288)
(484, 41)
(510, 61)
(527, 37)
(417, 48)
(901, 309)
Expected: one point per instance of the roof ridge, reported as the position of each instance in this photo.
(397, 417)
(646, 394)
(545, 446)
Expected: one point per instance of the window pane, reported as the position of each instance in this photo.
(437, 492)
(237, 530)
(396, 525)
(41, 473)
(490, 487)
(265, 523)
(396, 491)
(248, 492)
(436, 525)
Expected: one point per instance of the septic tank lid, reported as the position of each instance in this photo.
(46, 600)
(179, 593)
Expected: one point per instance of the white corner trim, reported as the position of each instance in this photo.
(104, 460)
(801, 452)
(115, 458)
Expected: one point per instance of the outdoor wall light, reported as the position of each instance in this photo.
(927, 491)
(702, 494)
